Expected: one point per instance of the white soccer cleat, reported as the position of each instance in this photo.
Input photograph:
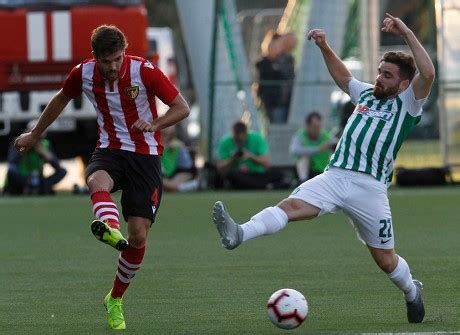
(231, 233)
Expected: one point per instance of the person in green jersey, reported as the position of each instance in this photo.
(361, 167)
(243, 160)
(25, 172)
(312, 147)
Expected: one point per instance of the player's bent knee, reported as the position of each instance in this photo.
(99, 180)
(387, 265)
(138, 231)
(137, 240)
(385, 259)
(297, 209)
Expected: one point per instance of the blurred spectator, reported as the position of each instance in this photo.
(312, 146)
(179, 171)
(243, 160)
(269, 89)
(171, 71)
(286, 65)
(276, 75)
(25, 171)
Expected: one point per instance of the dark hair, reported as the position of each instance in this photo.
(239, 127)
(312, 116)
(107, 39)
(405, 63)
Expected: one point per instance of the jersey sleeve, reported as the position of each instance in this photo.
(414, 106)
(355, 88)
(156, 81)
(73, 85)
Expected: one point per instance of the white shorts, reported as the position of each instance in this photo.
(362, 198)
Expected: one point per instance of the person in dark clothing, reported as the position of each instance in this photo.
(286, 64)
(25, 172)
(270, 78)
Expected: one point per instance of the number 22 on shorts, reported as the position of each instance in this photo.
(385, 231)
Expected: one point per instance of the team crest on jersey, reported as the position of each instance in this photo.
(132, 91)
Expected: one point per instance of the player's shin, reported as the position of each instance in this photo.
(129, 263)
(105, 209)
(267, 222)
(402, 278)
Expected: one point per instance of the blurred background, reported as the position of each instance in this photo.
(222, 56)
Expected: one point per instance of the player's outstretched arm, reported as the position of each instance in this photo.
(423, 80)
(337, 69)
(55, 107)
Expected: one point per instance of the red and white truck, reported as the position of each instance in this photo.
(40, 43)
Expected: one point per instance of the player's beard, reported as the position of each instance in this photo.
(384, 93)
(111, 75)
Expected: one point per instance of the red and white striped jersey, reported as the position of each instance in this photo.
(121, 103)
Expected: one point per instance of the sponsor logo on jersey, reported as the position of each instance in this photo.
(381, 114)
(132, 91)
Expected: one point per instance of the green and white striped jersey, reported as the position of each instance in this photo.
(375, 131)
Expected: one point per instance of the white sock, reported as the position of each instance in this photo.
(402, 278)
(267, 222)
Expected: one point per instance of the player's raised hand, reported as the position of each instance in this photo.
(25, 142)
(143, 126)
(318, 35)
(394, 25)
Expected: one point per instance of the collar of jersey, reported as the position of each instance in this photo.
(121, 74)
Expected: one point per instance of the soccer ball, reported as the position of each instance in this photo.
(287, 308)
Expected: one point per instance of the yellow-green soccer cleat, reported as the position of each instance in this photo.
(114, 307)
(111, 236)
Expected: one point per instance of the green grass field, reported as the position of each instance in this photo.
(54, 274)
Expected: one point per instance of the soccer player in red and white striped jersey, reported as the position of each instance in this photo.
(122, 89)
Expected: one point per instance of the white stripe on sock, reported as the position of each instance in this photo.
(122, 278)
(108, 216)
(126, 270)
(129, 265)
(106, 209)
(104, 203)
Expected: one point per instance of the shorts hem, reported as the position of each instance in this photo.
(138, 214)
(380, 246)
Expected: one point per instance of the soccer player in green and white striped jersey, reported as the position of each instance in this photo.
(356, 178)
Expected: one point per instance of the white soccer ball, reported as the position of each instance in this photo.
(287, 308)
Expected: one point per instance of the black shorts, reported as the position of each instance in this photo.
(137, 175)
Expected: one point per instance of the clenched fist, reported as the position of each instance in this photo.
(318, 35)
(143, 126)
